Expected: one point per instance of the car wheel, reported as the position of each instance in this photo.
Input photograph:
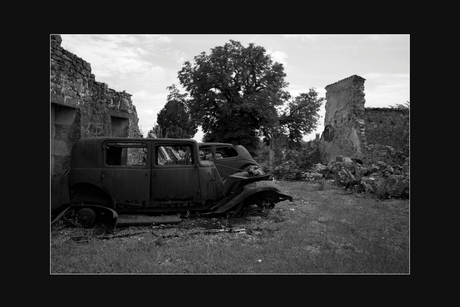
(86, 217)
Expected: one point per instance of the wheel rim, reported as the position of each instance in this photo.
(86, 217)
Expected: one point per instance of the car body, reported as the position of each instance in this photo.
(158, 176)
(228, 158)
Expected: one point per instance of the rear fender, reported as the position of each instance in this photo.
(247, 191)
(103, 214)
(89, 194)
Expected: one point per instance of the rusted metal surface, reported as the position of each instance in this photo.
(130, 220)
(152, 176)
(227, 157)
(102, 214)
(246, 191)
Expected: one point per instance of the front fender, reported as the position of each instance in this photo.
(246, 191)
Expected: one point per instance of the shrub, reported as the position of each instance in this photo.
(294, 163)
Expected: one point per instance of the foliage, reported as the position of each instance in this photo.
(405, 106)
(234, 92)
(174, 120)
(238, 95)
(293, 163)
(300, 117)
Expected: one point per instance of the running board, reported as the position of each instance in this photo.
(138, 220)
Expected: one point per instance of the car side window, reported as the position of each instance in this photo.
(205, 153)
(225, 152)
(126, 154)
(173, 155)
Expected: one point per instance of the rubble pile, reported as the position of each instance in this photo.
(379, 178)
(314, 173)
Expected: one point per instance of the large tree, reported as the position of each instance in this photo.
(234, 92)
(174, 120)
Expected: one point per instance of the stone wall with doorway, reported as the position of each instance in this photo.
(81, 107)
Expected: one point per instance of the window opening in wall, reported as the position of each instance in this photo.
(129, 154)
(173, 155)
(120, 126)
(328, 133)
(62, 119)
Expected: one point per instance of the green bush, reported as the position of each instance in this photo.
(294, 163)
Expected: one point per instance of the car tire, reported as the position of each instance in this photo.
(86, 217)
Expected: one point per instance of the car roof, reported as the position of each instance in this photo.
(215, 144)
(101, 139)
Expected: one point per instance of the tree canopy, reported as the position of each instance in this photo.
(301, 116)
(234, 91)
(238, 94)
(174, 120)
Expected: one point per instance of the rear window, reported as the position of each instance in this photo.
(129, 154)
(226, 152)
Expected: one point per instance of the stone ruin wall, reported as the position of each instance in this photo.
(379, 137)
(387, 126)
(81, 107)
(357, 132)
(344, 125)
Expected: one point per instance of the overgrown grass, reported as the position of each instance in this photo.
(323, 231)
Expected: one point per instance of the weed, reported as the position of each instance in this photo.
(322, 184)
(323, 231)
(380, 189)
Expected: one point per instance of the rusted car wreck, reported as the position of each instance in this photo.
(227, 158)
(157, 177)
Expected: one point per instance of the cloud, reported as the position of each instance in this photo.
(302, 37)
(152, 77)
(386, 89)
(279, 56)
(147, 100)
(386, 76)
(164, 39)
(109, 55)
(381, 37)
(148, 104)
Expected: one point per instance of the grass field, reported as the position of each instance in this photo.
(325, 230)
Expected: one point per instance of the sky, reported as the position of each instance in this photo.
(144, 65)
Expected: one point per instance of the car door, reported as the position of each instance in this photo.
(126, 172)
(175, 175)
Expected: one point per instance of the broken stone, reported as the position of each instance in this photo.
(397, 185)
(380, 178)
(367, 185)
(309, 176)
(318, 168)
